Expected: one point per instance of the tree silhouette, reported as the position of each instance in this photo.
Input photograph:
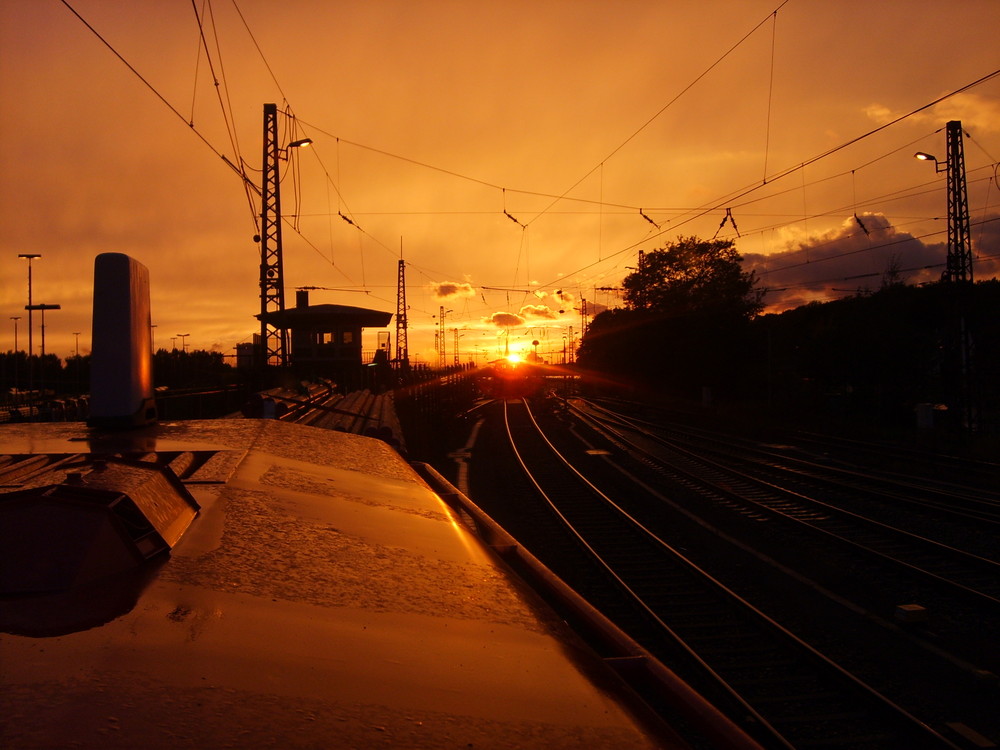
(694, 276)
(684, 326)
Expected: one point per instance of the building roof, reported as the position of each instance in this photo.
(327, 315)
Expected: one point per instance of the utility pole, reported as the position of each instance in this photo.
(959, 272)
(442, 354)
(959, 243)
(402, 350)
(273, 347)
(42, 307)
(31, 369)
(958, 275)
(17, 384)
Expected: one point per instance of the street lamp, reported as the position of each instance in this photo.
(939, 166)
(42, 307)
(183, 338)
(15, 318)
(301, 143)
(31, 371)
(77, 334)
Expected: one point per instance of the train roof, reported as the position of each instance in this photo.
(322, 595)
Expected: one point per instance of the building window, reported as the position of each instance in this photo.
(348, 337)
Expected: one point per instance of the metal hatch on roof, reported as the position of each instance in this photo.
(107, 521)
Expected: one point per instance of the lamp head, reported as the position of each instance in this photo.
(300, 143)
(924, 156)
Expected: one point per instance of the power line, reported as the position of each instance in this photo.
(664, 108)
(721, 203)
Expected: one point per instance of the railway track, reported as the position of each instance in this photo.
(839, 512)
(902, 478)
(642, 561)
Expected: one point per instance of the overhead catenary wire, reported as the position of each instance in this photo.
(663, 109)
(152, 88)
(742, 192)
(350, 218)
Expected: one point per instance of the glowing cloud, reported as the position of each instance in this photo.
(977, 113)
(543, 312)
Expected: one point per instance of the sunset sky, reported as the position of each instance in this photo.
(519, 153)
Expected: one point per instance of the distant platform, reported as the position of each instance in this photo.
(323, 597)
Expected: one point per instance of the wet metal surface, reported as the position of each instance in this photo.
(324, 597)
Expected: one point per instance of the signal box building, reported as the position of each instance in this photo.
(325, 340)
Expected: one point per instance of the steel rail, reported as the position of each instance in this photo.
(735, 600)
(980, 505)
(989, 566)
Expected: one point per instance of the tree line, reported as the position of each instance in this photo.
(692, 329)
(71, 377)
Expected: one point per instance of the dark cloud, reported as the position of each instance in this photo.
(443, 290)
(504, 320)
(860, 256)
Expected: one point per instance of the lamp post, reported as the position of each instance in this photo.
(15, 318)
(42, 307)
(183, 338)
(31, 370)
(76, 361)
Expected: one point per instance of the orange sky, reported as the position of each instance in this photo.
(433, 119)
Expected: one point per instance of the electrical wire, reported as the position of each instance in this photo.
(225, 104)
(150, 86)
(664, 108)
(706, 208)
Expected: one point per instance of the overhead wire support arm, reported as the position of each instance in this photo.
(728, 217)
(505, 213)
(643, 215)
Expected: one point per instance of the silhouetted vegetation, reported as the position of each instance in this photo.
(869, 359)
(686, 322)
(172, 369)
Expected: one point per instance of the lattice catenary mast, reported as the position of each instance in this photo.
(273, 348)
(402, 350)
(959, 266)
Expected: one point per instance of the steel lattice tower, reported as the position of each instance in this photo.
(959, 266)
(402, 350)
(272, 278)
